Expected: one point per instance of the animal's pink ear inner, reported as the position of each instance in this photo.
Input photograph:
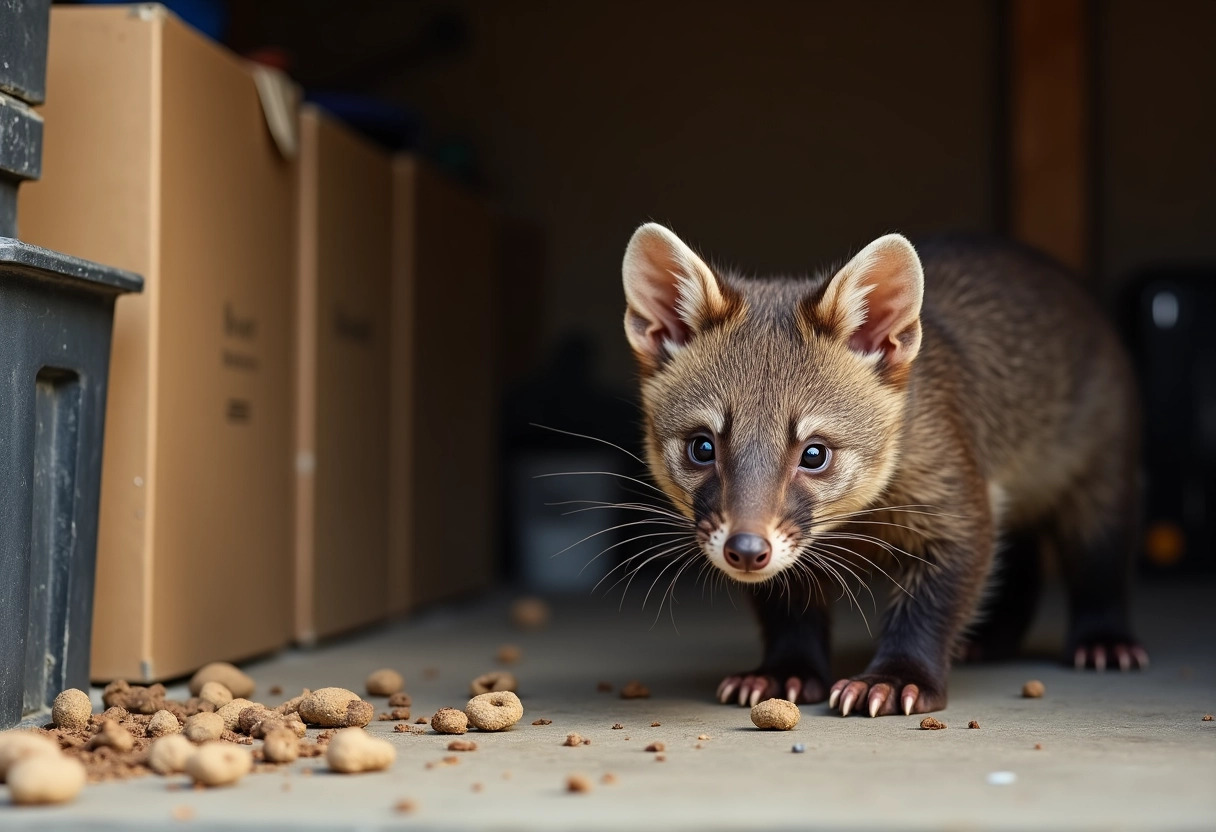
(875, 300)
(670, 292)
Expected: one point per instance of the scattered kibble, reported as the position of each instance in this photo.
(655, 724)
(616, 726)
(603, 687)
(276, 690)
(1207, 717)
(1038, 746)
(281, 746)
(577, 783)
(542, 722)
(931, 724)
(973, 724)
(400, 699)
(216, 694)
(336, 708)
(231, 713)
(405, 806)
(184, 813)
(218, 764)
(462, 745)
(450, 721)
(168, 755)
(573, 740)
(162, 724)
(72, 709)
(112, 735)
(1033, 689)
(530, 614)
(703, 736)
(656, 747)
(384, 682)
(45, 779)
(508, 654)
(353, 750)
(496, 680)
(608, 779)
(775, 714)
(660, 758)
(228, 675)
(494, 711)
(203, 727)
(395, 715)
(17, 745)
(635, 690)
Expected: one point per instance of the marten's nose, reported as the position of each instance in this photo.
(747, 551)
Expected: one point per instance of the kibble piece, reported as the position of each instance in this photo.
(45, 778)
(493, 681)
(973, 724)
(395, 715)
(1038, 746)
(462, 745)
(112, 735)
(17, 745)
(635, 690)
(204, 727)
(292, 705)
(216, 694)
(542, 721)
(495, 711)
(231, 713)
(385, 682)
(1033, 689)
(219, 764)
(530, 614)
(573, 740)
(405, 806)
(336, 708)
(508, 654)
(184, 813)
(72, 709)
(656, 747)
(1207, 718)
(162, 724)
(703, 736)
(578, 783)
(353, 750)
(655, 724)
(168, 755)
(608, 779)
(777, 714)
(616, 726)
(229, 675)
(400, 700)
(281, 746)
(603, 687)
(931, 724)
(450, 721)
(252, 716)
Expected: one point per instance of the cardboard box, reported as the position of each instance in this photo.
(158, 159)
(444, 453)
(342, 376)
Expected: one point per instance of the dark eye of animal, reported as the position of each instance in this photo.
(815, 457)
(701, 450)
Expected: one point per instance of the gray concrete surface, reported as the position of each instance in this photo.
(1118, 751)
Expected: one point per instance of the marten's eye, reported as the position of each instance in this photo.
(815, 457)
(701, 450)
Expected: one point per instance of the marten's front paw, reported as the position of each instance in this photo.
(884, 694)
(749, 688)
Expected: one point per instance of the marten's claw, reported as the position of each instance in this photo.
(1127, 654)
(879, 694)
(751, 688)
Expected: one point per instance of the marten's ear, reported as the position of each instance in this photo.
(874, 302)
(670, 294)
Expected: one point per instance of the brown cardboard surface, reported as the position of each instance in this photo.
(444, 450)
(158, 159)
(342, 394)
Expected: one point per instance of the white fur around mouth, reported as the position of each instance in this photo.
(782, 556)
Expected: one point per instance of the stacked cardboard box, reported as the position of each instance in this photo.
(158, 159)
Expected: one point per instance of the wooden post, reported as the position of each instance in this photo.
(1050, 205)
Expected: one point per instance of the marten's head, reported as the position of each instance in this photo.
(772, 407)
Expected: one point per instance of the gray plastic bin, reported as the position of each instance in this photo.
(56, 316)
(24, 26)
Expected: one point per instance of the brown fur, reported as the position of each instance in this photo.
(1005, 407)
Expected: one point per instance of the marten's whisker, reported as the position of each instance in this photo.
(592, 438)
(854, 553)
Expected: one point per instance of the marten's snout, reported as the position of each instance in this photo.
(747, 551)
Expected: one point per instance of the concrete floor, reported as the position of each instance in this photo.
(1118, 751)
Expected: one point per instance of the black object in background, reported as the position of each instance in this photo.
(1170, 319)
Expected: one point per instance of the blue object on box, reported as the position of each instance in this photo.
(395, 127)
(207, 16)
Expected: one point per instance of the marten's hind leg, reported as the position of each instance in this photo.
(1095, 532)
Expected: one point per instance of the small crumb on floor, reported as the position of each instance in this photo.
(973, 724)
(577, 783)
(656, 746)
(635, 690)
(616, 726)
(656, 724)
(542, 722)
(405, 806)
(608, 779)
(1207, 717)
(603, 687)
(1033, 689)
(275, 690)
(183, 813)
(1038, 746)
(931, 724)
